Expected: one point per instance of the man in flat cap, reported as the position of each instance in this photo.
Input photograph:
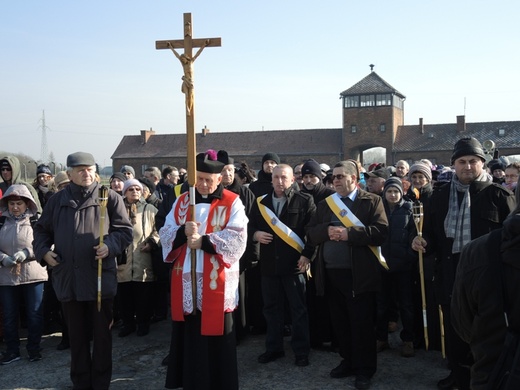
(376, 180)
(203, 333)
(66, 237)
(458, 212)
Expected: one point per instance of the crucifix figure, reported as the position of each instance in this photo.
(186, 58)
(187, 79)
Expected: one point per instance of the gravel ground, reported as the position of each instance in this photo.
(137, 365)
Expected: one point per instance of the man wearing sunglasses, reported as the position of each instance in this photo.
(11, 174)
(348, 227)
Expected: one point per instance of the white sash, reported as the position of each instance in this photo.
(347, 218)
(279, 228)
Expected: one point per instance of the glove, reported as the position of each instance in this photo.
(21, 256)
(8, 262)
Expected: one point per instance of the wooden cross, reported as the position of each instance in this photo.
(187, 59)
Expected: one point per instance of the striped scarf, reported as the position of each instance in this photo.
(457, 224)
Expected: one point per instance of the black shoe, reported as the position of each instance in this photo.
(166, 360)
(267, 357)
(287, 330)
(362, 382)
(447, 383)
(9, 358)
(302, 361)
(35, 356)
(341, 371)
(126, 330)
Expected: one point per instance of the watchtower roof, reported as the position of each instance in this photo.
(371, 84)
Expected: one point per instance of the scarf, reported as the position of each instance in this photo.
(131, 209)
(457, 224)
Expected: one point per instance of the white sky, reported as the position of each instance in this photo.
(92, 66)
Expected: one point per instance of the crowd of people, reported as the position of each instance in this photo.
(334, 257)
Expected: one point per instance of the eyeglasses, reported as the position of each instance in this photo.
(133, 189)
(339, 177)
(511, 176)
(7, 169)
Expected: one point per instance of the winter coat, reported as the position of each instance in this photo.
(72, 225)
(17, 235)
(490, 205)
(138, 267)
(396, 249)
(16, 178)
(263, 185)
(476, 306)
(369, 209)
(278, 258)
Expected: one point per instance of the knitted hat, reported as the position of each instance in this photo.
(421, 168)
(467, 147)
(80, 158)
(5, 164)
(127, 168)
(118, 175)
(43, 169)
(271, 156)
(311, 167)
(498, 165)
(61, 178)
(131, 183)
(208, 163)
(394, 182)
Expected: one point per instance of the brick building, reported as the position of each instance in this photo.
(373, 116)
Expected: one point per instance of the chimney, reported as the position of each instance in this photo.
(421, 125)
(461, 123)
(146, 134)
(205, 131)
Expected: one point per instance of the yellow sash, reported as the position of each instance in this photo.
(348, 219)
(279, 228)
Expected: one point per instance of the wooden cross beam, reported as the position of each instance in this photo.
(187, 59)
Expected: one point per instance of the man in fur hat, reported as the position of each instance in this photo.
(458, 212)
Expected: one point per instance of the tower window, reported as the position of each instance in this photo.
(353, 129)
(384, 100)
(351, 101)
(382, 127)
(367, 101)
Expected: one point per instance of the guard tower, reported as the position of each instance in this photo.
(372, 112)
